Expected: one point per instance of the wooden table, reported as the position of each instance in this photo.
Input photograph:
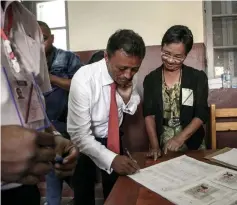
(128, 192)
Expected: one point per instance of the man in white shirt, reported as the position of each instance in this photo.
(27, 152)
(99, 95)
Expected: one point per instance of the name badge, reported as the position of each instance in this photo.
(27, 99)
(187, 97)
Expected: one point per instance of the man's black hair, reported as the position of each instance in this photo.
(45, 25)
(179, 34)
(127, 40)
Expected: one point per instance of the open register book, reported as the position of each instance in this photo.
(226, 157)
(187, 181)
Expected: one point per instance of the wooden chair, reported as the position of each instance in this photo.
(221, 126)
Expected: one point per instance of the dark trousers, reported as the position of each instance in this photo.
(84, 180)
(25, 194)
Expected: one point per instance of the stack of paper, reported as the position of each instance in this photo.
(186, 181)
(226, 157)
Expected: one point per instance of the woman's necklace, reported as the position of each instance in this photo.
(180, 76)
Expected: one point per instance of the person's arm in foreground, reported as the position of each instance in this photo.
(25, 154)
(64, 147)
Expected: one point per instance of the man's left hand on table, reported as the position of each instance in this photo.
(125, 91)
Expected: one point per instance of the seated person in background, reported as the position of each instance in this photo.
(175, 98)
(62, 65)
(99, 95)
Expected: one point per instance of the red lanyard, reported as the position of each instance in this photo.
(7, 43)
(9, 25)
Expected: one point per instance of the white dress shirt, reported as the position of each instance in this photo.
(27, 36)
(88, 111)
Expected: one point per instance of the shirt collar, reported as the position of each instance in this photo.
(106, 78)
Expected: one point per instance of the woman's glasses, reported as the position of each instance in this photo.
(167, 56)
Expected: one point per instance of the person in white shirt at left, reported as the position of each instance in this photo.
(30, 146)
(100, 94)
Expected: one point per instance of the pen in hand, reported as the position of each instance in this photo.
(130, 157)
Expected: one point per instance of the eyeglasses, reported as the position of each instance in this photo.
(167, 56)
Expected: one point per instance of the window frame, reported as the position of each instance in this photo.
(34, 11)
(208, 40)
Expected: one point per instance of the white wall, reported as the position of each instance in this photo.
(91, 23)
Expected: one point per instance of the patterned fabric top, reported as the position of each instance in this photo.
(171, 108)
(171, 105)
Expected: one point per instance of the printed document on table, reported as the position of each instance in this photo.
(230, 199)
(175, 173)
(229, 157)
(186, 181)
(226, 178)
(203, 192)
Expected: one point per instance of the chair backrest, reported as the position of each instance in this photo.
(221, 126)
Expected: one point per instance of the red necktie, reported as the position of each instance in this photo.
(113, 130)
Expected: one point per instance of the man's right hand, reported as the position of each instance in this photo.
(124, 165)
(26, 155)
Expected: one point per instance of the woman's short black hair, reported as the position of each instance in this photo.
(127, 40)
(179, 34)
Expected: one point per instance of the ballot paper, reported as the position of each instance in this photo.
(230, 199)
(186, 181)
(229, 157)
(226, 178)
(203, 192)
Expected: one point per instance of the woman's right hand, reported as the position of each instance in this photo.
(154, 153)
(154, 150)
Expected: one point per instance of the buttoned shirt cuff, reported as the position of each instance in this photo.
(106, 160)
(131, 107)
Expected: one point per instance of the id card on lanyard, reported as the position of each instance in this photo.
(23, 89)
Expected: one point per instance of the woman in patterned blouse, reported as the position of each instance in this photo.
(175, 98)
